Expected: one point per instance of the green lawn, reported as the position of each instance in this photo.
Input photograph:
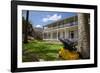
(40, 50)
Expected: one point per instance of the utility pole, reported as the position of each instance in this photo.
(26, 27)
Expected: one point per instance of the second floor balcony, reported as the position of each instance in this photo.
(60, 26)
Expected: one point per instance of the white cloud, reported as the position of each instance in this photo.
(53, 17)
(38, 26)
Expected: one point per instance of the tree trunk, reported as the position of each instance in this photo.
(26, 26)
(84, 35)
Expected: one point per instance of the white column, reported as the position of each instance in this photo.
(47, 35)
(61, 34)
(51, 36)
(57, 34)
(76, 34)
(65, 32)
(43, 35)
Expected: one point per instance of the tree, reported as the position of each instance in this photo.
(26, 30)
(84, 35)
(30, 31)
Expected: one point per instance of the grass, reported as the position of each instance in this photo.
(36, 50)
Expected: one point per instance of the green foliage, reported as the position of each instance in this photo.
(30, 29)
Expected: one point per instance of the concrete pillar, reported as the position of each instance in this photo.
(47, 35)
(61, 34)
(67, 33)
(76, 34)
(51, 34)
(43, 35)
(57, 34)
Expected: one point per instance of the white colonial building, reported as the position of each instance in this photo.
(66, 28)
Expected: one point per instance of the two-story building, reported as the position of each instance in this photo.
(65, 28)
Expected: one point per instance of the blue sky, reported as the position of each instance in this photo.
(40, 18)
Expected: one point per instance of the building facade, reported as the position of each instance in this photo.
(66, 28)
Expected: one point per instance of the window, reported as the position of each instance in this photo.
(71, 34)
